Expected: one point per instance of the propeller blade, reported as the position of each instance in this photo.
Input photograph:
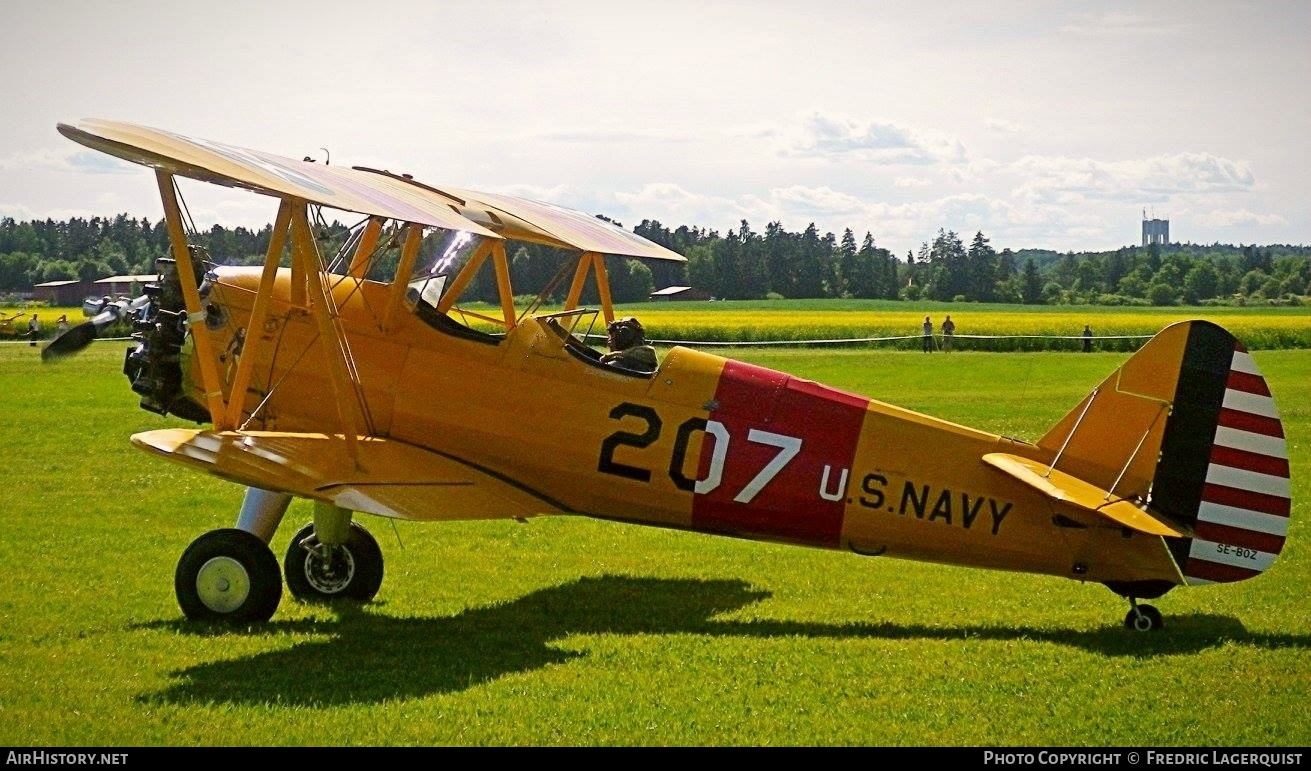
(137, 304)
(72, 341)
(107, 316)
(83, 334)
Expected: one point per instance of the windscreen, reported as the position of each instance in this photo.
(443, 255)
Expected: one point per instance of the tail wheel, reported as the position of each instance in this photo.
(1143, 618)
(228, 575)
(318, 572)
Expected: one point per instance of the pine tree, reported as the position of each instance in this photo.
(1031, 292)
(982, 261)
(846, 266)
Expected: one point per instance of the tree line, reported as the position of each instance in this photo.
(740, 264)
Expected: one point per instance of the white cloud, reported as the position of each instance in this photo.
(974, 171)
(554, 194)
(882, 143)
(1145, 180)
(73, 159)
(815, 200)
(671, 204)
(1121, 24)
(16, 211)
(1007, 222)
(20, 213)
(1239, 218)
(795, 206)
(1003, 126)
(611, 137)
(911, 182)
(755, 130)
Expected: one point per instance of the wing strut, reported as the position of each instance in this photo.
(500, 266)
(364, 250)
(503, 283)
(594, 260)
(345, 380)
(466, 274)
(246, 362)
(401, 284)
(195, 313)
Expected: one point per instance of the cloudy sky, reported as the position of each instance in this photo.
(1042, 124)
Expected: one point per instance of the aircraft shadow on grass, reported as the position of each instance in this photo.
(370, 658)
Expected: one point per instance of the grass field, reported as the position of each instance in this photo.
(567, 631)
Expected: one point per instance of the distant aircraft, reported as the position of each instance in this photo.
(7, 320)
(358, 380)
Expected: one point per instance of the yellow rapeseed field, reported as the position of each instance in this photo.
(979, 327)
(897, 324)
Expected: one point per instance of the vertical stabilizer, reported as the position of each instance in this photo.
(1187, 429)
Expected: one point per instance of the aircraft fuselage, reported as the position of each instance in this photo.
(705, 444)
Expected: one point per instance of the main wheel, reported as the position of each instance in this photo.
(1144, 618)
(316, 573)
(228, 575)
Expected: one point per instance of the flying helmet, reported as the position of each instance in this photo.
(626, 332)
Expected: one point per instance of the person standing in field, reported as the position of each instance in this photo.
(928, 334)
(1087, 338)
(33, 329)
(948, 329)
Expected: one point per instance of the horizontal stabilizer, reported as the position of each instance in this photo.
(1071, 490)
(377, 476)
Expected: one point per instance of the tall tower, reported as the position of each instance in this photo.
(1155, 231)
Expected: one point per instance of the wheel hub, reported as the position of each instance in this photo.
(222, 584)
(329, 569)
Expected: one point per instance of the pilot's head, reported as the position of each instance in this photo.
(624, 333)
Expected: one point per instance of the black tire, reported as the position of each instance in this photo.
(1144, 618)
(355, 572)
(228, 575)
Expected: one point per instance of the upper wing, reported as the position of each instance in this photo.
(366, 191)
(527, 220)
(334, 186)
(391, 479)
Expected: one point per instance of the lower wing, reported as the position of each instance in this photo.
(377, 476)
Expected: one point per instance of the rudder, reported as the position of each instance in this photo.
(1225, 461)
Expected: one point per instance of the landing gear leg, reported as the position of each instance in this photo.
(1143, 618)
(262, 512)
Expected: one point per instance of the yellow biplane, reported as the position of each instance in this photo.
(360, 380)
